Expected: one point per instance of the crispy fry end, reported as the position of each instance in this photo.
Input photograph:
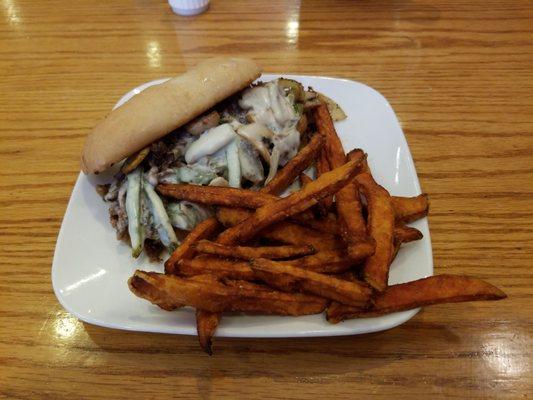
(206, 325)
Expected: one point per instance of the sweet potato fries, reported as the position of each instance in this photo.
(328, 246)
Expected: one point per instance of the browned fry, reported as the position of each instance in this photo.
(352, 224)
(409, 209)
(325, 262)
(216, 266)
(333, 145)
(244, 252)
(292, 279)
(405, 234)
(381, 227)
(337, 312)
(395, 250)
(216, 195)
(295, 166)
(159, 289)
(154, 294)
(356, 153)
(423, 292)
(320, 208)
(185, 249)
(216, 297)
(284, 232)
(206, 325)
(322, 162)
(350, 212)
(297, 202)
(322, 166)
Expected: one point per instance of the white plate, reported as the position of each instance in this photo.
(91, 267)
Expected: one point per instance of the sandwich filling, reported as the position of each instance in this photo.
(240, 143)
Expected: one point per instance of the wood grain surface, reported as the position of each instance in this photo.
(459, 75)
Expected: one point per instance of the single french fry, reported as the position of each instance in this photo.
(405, 234)
(332, 261)
(352, 224)
(284, 232)
(206, 322)
(304, 180)
(247, 253)
(397, 244)
(322, 163)
(295, 166)
(185, 250)
(320, 209)
(297, 202)
(216, 266)
(292, 279)
(156, 287)
(356, 153)
(436, 289)
(217, 297)
(322, 166)
(333, 144)
(206, 325)
(409, 209)
(381, 228)
(216, 195)
(155, 294)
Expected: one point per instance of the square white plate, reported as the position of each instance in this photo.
(91, 268)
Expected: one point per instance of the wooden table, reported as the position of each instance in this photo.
(459, 75)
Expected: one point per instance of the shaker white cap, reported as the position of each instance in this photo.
(189, 7)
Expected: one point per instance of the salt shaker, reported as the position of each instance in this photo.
(189, 7)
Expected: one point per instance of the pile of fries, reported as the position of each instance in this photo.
(327, 247)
